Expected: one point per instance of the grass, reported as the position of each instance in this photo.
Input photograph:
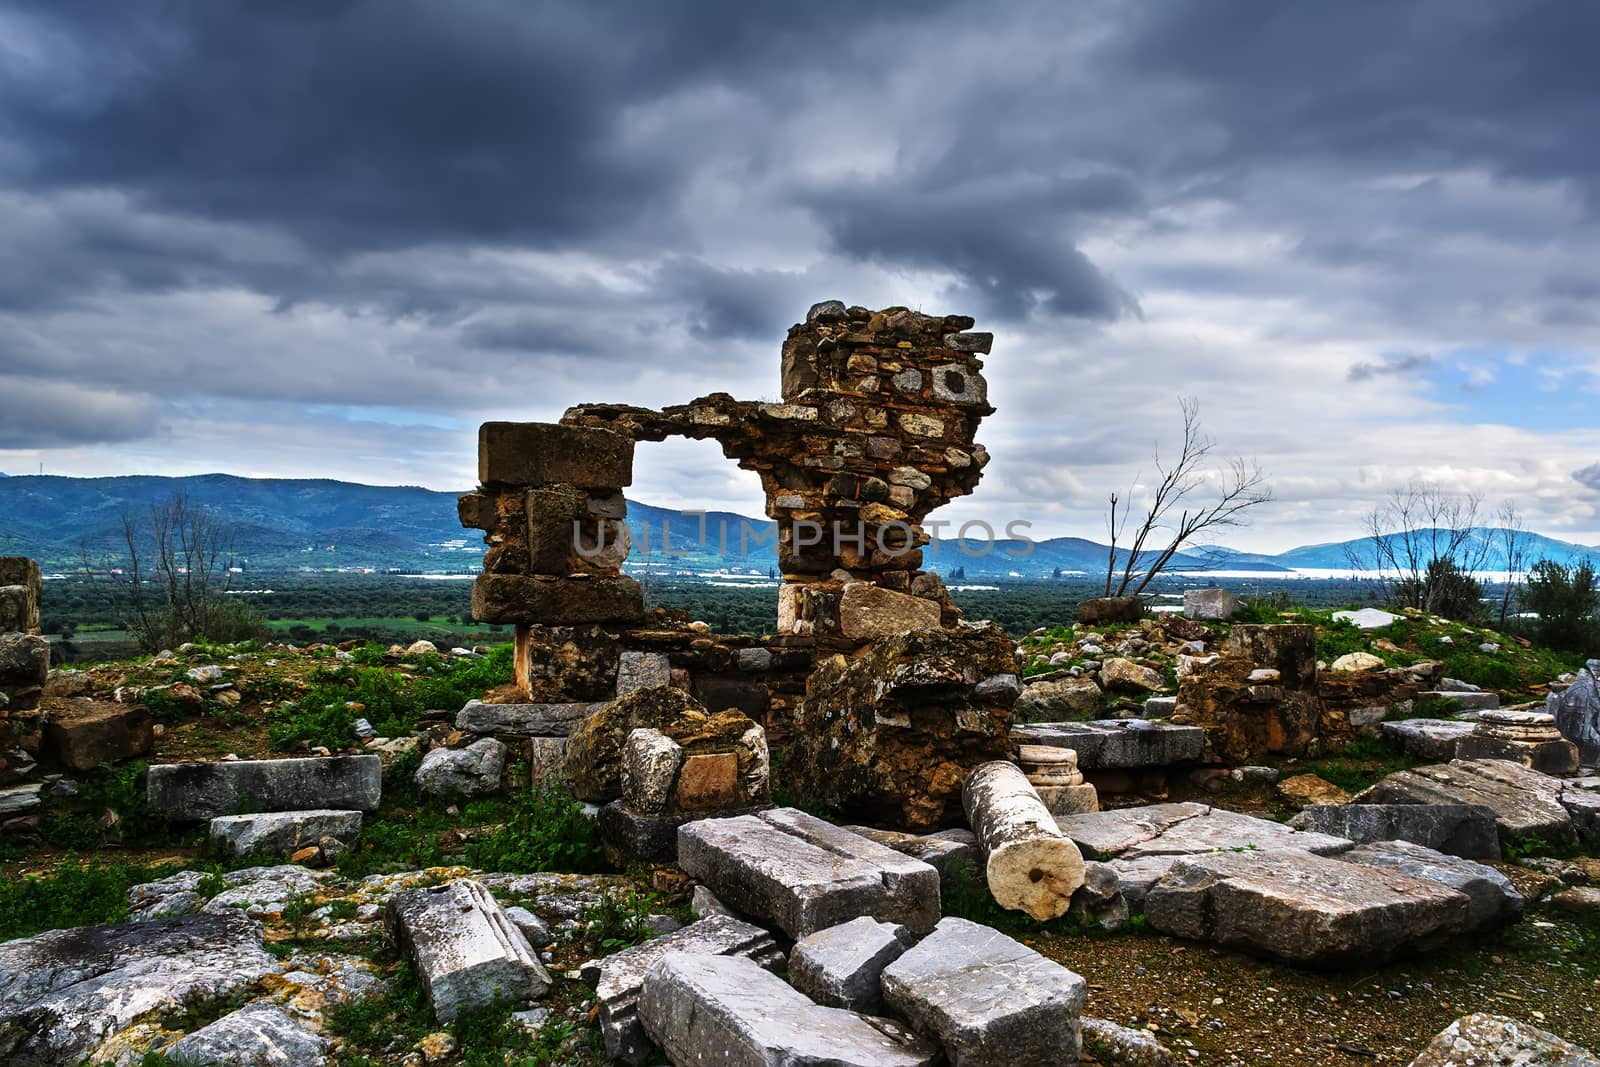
(75, 894)
(1361, 763)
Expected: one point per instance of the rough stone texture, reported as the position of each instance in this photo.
(466, 951)
(1126, 676)
(1100, 900)
(1215, 604)
(64, 993)
(629, 837)
(1110, 1045)
(1368, 618)
(990, 1000)
(650, 762)
(1524, 801)
(197, 791)
(839, 967)
(1302, 790)
(802, 874)
(1029, 865)
(1581, 798)
(1466, 830)
(82, 734)
(1577, 712)
(474, 771)
(1526, 737)
(284, 831)
(1494, 899)
(1300, 908)
(578, 598)
(536, 453)
(1185, 829)
(1481, 1040)
(868, 612)
(727, 1011)
(1246, 720)
(888, 738)
(1056, 700)
(619, 978)
(521, 720)
(21, 573)
(24, 666)
(1110, 609)
(1107, 744)
(1435, 739)
(257, 1035)
(639, 670)
(1357, 661)
(953, 853)
(594, 751)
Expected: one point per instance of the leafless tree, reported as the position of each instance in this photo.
(1513, 540)
(1239, 485)
(1418, 527)
(176, 569)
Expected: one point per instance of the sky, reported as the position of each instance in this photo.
(314, 238)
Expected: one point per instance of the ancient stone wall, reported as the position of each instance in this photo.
(24, 663)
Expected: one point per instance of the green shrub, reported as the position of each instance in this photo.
(546, 831)
(75, 894)
(1481, 669)
(618, 920)
(1565, 600)
(1362, 762)
(1443, 589)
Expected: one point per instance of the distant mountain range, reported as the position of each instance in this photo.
(321, 524)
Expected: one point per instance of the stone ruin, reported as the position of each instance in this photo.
(875, 428)
(24, 665)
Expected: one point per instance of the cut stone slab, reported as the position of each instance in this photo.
(1434, 739)
(283, 831)
(727, 1011)
(1466, 700)
(802, 874)
(1218, 604)
(947, 851)
(1057, 698)
(82, 734)
(522, 720)
(64, 993)
(1583, 805)
(629, 837)
(1525, 802)
(619, 978)
(259, 1033)
(1466, 830)
(197, 791)
(1136, 877)
(868, 612)
(465, 948)
(19, 799)
(990, 1000)
(1303, 909)
(1494, 899)
(639, 670)
(1481, 1040)
(1105, 744)
(1185, 829)
(839, 967)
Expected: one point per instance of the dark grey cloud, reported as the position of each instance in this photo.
(1588, 477)
(1390, 364)
(46, 414)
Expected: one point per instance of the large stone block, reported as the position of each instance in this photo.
(1304, 909)
(283, 831)
(1466, 830)
(802, 874)
(1494, 899)
(24, 665)
(1185, 829)
(839, 967)
(467, 952)
(868, 612)
(1481, 1040)
(1217, 604)
(474, 771)
(1525, 802)
(729, 1012)
(197, 791)
(629, 837)
(619, 978)
(64, 993)
(990, 1000)
(20, 572)
(541, 453)
(1109, 744)
(1056, 700)
(522, 720)
(1435, 739)
(82, 734)
(1577, 712)
(888, 737)
(533, 598)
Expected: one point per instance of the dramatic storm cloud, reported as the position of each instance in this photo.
(328, 238)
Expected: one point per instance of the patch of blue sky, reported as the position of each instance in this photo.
(384, 414)
(1536, 390)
